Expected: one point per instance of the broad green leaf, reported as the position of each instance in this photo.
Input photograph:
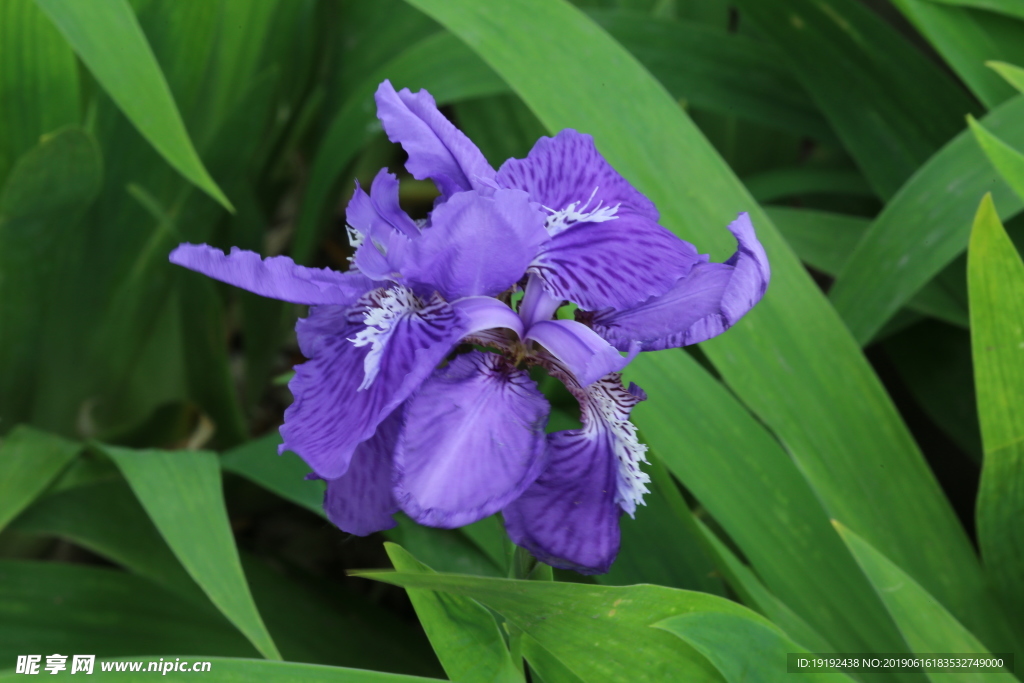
(741, 649)
(718, 70)
(790, 360)
(48, 607)
(464, 635)
(889, 119)
(544, 665)
(925, 226)
(106, 518)
(753, 593)
(45, 194)
(245, 670)
(489, 535)
(923, 621)
(38, 80)
(995, 276)
(966, 38)
(1008, 161)
(753, 489)
(108, 38)
(29, 461)
(181, 492)
(283, 474)
(1012, 8)
(1014, 75)
(600, 633)
(825, 240)
(447, 549)
(780, 183)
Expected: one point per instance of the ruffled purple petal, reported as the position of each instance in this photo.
(579, 348)
(436, 149)
(277, 277)
(567, 169)
(613, 264)
(703, 304)
(364, 361)
(569, 518)
(473, 441)
(382, 231)
(360, 501)
(476, 245)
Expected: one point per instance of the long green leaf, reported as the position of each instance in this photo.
(1014, 75)
(108, 38)
(790, 360)
(825, 240)
(464, 634)
(29, 461)
(966, 38)
(106, 518)
(181, 491)
(889, 119)
(719, 71)
(45, 195)
(741, 649)
(1012, 8)
(927, 626)
(995, 275)
(925, 226)
(600, 633)
(48, 607)
(246, 670)
(38, 80)
(283, 474)
(1008, 161)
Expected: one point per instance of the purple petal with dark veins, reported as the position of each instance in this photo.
(569, 518)
(568, 168)
(436, 148)
(703, 304)
(473, 441)
(277, 277)
(579, 348)
(341, 395)
(614, 264)
(476, 245)
(360, 501)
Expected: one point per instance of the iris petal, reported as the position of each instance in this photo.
(579, 348)
(473, 441)
(276, 277)
(335, 407)
(437, 149)
(476, 245)
(615, 264)
(707, 301)
(360, 501)
(569, 518)
(567, 168)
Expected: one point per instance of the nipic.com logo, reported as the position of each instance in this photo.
(85, 664)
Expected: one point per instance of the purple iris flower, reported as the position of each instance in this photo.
(416, 395)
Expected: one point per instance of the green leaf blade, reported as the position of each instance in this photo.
(181, 491)
(996, 284)
(29, 461)
(108, 38)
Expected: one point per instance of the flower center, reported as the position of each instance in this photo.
(387, 307)
(561, 220)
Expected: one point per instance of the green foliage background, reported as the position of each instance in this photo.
(841, 472)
